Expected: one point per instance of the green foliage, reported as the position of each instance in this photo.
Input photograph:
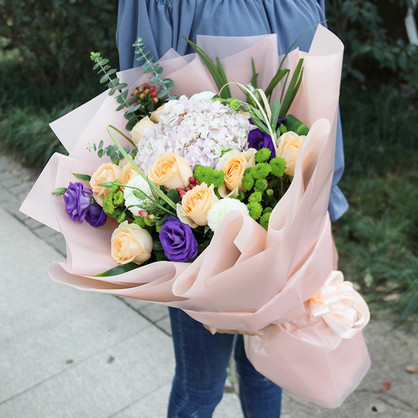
(53, 38)
(376, 46)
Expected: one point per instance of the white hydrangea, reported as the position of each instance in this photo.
(133, 203)
(197, 129)
(221, 208)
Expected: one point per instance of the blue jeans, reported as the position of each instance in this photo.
(201, 362)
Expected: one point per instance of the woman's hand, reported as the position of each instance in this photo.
(213, 331)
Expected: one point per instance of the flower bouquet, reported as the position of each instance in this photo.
(216, 203)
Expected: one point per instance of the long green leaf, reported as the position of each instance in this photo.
(226, 93)
(214, 71)
(118, 270)
(276, 79)
(293, 88)
(254, 79)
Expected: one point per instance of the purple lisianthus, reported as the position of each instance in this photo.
(95, 215)
(77, 201)
(177, 239)
(258, 139)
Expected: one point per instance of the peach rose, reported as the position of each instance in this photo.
(233, 164)
(156, 115)
(138, 130)
(288, 148)
(128, 173)
(195, 205)
(106, 172)
(171, 171)
(131, 243)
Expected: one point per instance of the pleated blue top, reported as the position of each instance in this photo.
(161, 24)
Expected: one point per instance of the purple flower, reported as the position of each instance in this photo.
(77, 201)
(177, 239)
(95, 215)
(258, 139)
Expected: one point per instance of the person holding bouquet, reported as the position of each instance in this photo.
(202, 358)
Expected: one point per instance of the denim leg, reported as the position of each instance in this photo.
(201, 362)
(260, 397)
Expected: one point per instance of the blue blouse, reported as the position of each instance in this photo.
(161, 24)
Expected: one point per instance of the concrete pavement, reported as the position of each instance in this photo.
(67, 353)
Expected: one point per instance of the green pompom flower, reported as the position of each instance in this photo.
(268, 209)
(264, 220)
(118, 198)
(248, 171)
(203, 174)
(241, 195)
(278, 165)
(261, 171)
(260, 185)
(217, 178)
(262, 155)
(255, 209)
(248, 182)
(255, 197)
(108, 206)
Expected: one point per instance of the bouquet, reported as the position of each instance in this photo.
(216, 203)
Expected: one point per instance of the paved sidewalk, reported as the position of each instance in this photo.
(67, 353)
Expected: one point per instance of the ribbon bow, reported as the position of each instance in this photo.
(340, 306)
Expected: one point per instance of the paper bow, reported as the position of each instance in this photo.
(340, 306)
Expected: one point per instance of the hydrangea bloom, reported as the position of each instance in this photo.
(197, 129)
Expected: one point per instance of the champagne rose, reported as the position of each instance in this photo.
(106, 172)
(131, 243)
(288, 148)
(171, 171)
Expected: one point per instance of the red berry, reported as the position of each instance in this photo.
(142, 95)
(143, 213)
(198, 182)
(154, 94)
(152, 88)
(192, 180)
(136, 92)
(155, 99)
(145, 85)
(147, 91)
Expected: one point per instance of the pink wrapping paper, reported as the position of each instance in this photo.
(248, 279)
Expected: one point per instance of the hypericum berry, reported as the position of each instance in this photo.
(136, 92)
(198, 182)
(143, 213)
(147, 91)
(192, 180)
(153, 94)
(142, 95)
(151, 217)
(155, 100)
(152, 88)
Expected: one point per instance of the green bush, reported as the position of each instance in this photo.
(374, 35)
(54, 37)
